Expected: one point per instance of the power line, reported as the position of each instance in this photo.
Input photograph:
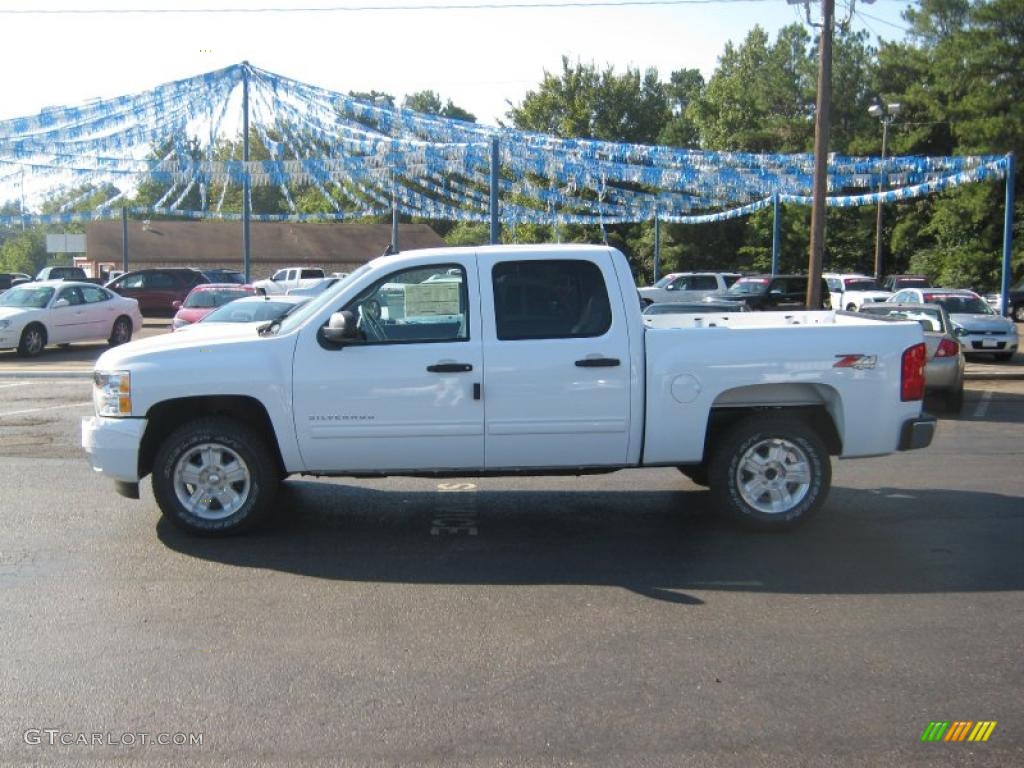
(900, 27)
(524, 4)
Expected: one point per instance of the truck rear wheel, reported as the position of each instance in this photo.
(215, 477)
(770, 472)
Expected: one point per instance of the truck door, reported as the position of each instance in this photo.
(556, 385)
(406, 394)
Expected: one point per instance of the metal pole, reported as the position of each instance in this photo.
(657, 247)
(495, 221)
(246, 212)
(821, 129)
(878, 214)
(1011, 180)
(776, 232)
(124, 238)
(395, 248)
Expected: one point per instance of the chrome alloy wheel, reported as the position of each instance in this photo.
(773, 476)
(212, 481)
(121, 333)
(33, 341)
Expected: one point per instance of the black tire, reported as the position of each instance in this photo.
(1003, 357)
(851, 307)
(33, 340)
(226, 439)
(120, 331)
(798, 446)
(698, 474)
(954, 401)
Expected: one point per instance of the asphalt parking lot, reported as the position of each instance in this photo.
(607, 620)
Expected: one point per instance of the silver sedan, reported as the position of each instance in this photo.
(944, 367)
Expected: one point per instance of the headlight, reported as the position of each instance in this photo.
(5, 324)
(112, 393)
(178, 323)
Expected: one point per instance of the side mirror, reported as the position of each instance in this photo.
(175, 305)
(670, 287)
(61, 303)
(341, 328)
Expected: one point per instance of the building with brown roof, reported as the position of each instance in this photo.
(337, 247)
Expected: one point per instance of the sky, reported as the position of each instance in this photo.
(480, 58)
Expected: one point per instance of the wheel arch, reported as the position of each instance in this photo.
(166, 416)
(817, 405)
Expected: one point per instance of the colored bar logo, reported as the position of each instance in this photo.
(958, 730)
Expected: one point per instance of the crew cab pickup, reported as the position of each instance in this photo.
(503, 360)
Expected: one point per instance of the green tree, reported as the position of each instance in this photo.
(429, 103)
(24, 252)
(584, 102)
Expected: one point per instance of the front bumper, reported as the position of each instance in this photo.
(980, 343)
(917, 433)
(113, 446)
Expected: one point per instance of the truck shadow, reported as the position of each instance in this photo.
(661, 544)
(986, 404)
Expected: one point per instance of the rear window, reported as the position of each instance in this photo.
(212, 299)
(861, 284)
(309, 274)
(929, 320)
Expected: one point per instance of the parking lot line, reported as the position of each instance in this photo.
(982, 406)
(47, 408)
(14, 384)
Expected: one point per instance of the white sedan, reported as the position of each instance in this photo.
(33, 315)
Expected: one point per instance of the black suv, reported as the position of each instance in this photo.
(1015, 302)
(778, 292)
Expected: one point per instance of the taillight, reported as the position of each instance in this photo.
(947, 348)
(912, 372)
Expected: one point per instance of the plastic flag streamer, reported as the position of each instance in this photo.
(323, 155)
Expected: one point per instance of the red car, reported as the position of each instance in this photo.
(205, 298)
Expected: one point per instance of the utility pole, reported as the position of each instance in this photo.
(821, 130)
(885, 113)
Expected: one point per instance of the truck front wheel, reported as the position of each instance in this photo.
(215, 477)
(770, 472)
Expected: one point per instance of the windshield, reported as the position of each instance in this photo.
(963, 305)
(861, 284)
(34, 298)
(747, 286)
(251, 311)
(295, 319)
(213, 298)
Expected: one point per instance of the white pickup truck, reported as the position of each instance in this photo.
(286, 279)
(503, 360)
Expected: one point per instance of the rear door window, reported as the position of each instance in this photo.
(557, 299)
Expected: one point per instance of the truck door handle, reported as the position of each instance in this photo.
(450, 368)
(598, 362)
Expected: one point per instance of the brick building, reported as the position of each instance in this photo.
(336, 247)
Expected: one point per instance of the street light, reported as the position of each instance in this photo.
(885, 112)
(394, 133)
